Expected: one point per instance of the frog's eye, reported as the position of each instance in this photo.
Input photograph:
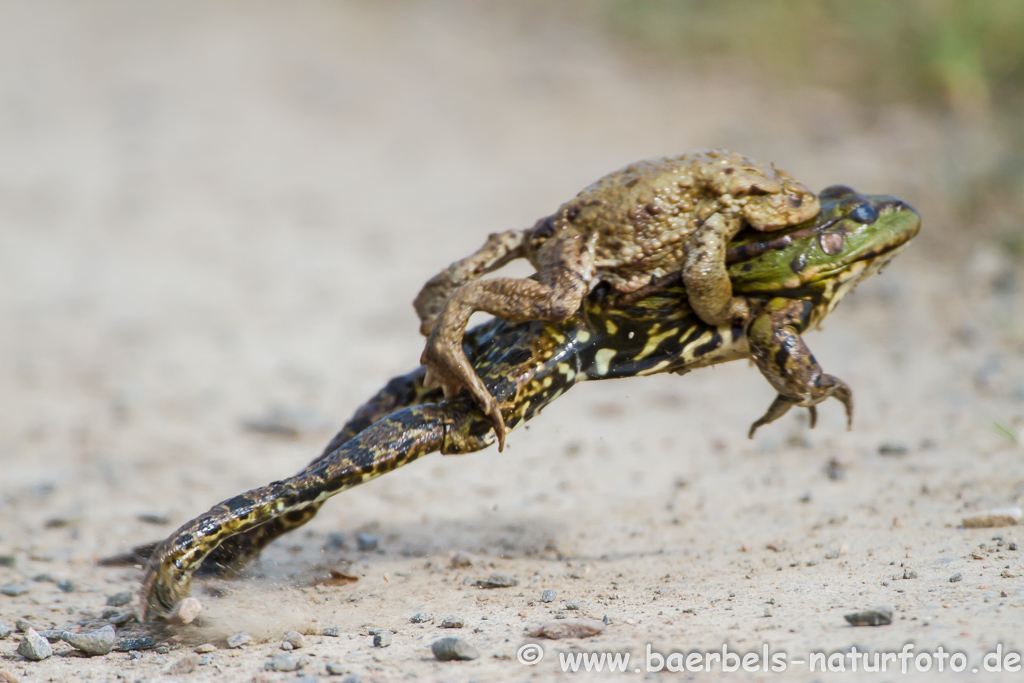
(832, 242)
(864, 213)
(836, 191)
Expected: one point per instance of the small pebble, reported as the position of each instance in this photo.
(956, 577)
(573, 605)
(880, 616)
(333, 631)
(893, 449)
(335, 541)
(33, 646)
(287, 646)
(497, 580)
(352, 678)
(336, 668)
(453, 649)
(7, 560)
(383, 639)
(547, 596)
(284, 662)
(1012, 546)
(461, 560)
(134, 655)
(24, 625)
(52, 635)
(135, 644)
(421, 617)
(206, 648)
(121, 618)
(997, 517)
(185, 665)
(557, 630)
(909, 574)
(185, 612)
(66, 585)
(94, 643)
(40, 578)
(453, 621)
(14, 589)
(120, 599)
(5, 630)
(295, 639)
(239, 639)
(366, 542)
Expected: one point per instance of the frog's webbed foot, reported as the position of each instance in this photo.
(785, 361)
(781, 405)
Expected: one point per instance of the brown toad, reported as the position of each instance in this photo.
(647, 220)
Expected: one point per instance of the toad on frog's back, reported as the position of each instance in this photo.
(647, 220)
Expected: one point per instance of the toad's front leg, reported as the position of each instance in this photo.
(563, 281)
(786, 362)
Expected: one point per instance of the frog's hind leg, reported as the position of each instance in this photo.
(238, 550)
(389, 443)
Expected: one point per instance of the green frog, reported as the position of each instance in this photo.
(648, 220)
(789, 279)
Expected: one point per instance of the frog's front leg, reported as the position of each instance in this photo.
(563, 280)
(786, 362)
(499, 249)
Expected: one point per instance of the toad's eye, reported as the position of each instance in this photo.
(864, 213)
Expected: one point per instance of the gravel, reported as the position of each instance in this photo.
(120, 599)
(453, 649)
(879, 616)
(5, 630)
(547, 596)
(453, 621)
(185, 612)
(383, 639)
(333, 631)
(284, 662)
(497, 580)
(33, 646)
(14, 589)
(421, 617)
(66, 585)
(135, 644)
(366, 542)
(94, 643)
(239, 639)
(185, 665)
(295, 639)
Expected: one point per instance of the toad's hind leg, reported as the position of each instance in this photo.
(563, 281)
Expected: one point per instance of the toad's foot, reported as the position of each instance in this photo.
(448, 367)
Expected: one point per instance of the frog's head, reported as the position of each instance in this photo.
(853, 236)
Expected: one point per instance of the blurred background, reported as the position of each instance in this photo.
(207, 208)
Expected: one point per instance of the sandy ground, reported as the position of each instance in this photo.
(212, 212)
